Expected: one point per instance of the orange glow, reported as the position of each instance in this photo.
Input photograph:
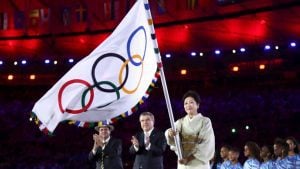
(262, 66)
(32, 77)
(183, 72)
(10, 77)
(235, 68)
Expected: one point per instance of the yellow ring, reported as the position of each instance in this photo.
(121, 72)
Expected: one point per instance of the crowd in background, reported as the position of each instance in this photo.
(283, 154)
(268, 113)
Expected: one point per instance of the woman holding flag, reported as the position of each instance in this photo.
(196, 135)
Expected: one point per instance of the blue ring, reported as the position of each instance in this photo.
(129, 42)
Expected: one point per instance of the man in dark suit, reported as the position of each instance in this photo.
(107, 150)
(149, 145)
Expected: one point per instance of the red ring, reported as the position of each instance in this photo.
(83, 109)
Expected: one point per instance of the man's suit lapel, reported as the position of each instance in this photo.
(153, 135)
(142, 138)
(109, 143)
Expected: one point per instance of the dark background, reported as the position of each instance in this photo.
(265, 100)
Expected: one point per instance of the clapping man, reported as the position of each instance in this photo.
(106, 150)
(148, 145)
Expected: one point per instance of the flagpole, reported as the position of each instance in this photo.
(162, 77)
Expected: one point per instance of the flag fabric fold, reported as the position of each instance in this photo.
(108, 82)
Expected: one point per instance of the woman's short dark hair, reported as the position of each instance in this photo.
(293, 139)
(192, 94)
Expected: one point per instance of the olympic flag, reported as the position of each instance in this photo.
(109, 81)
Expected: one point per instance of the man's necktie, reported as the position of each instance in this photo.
(102, 157)
(147, 139)
(102, 160)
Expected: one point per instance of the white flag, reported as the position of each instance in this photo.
(109, 81)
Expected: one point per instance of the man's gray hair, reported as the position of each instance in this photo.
(148, 114)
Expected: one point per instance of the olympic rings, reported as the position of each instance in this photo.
(84, 108)
(99, 84)
(129, 43)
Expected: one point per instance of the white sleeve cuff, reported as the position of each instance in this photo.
(136, 148)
